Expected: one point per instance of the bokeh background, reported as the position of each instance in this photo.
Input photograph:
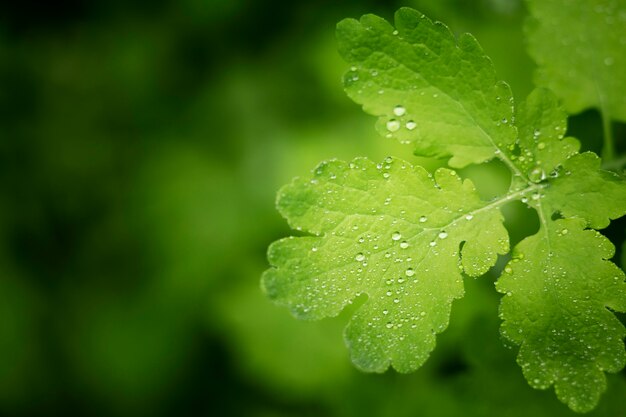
(141, 147)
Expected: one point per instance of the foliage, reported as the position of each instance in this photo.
(404, 238)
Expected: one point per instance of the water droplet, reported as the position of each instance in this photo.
(395, 32)
(396, 236)
(399, 110)
(409, 272)
(537, 174)
(423, 219)
(508, 269)
(374, 73)
(386, 175)
(404, 244)
(393, 125)
(541, 145)
(389, 325)
(469, 217)
(385, 312)
(433, 243)
(564, 231)
(411, 125)
(536, 196)
(423, 313)
(443, 235)
(388, 293)
(359, 257)
(396, 300)
(314, 249)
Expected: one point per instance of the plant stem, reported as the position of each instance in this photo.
(608, 150)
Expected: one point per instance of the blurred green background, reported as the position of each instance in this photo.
(141, 147)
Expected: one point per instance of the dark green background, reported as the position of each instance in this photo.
(141, 146)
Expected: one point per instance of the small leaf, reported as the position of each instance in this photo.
(390, 231)
(542, 124)
(582, 189)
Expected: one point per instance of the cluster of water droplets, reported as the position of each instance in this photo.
(399, 121)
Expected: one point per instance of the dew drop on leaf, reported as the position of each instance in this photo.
(399, 110)
(393, 125)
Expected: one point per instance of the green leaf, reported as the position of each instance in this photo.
(560, 283)
(558, 287)
(579, 48)
(390, 231)
(582, 189)
(429, 89)
(541, 125)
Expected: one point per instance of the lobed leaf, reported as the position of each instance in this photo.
(428, 88)
(390, 231)
(581, 189)
(560, 281)
(559, 286)
(543, 146)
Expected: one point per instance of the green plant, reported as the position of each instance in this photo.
(406, 238)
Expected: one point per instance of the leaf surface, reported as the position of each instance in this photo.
(427, 87)
(560, 283)
(390, 231)
(559, 286)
